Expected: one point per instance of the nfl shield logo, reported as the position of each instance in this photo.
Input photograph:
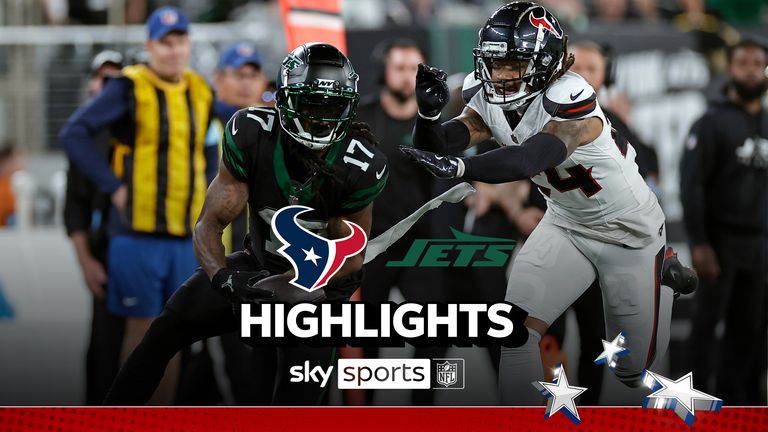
(446, 373)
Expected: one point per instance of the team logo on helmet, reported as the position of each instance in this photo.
(315, 259)
(544, 23)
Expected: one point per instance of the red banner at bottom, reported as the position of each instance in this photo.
(369, 418)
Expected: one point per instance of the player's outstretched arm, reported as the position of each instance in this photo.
(225, 199)
(542, 151)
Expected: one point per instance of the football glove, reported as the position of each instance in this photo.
(440, 166)
(241, 286)
(431, 91)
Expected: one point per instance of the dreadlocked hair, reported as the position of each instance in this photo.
(362, 130)
(311, 160)
(568, 61)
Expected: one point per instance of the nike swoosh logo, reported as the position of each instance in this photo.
(234, 131)
(380, 173)
(130, 301)
(573, 98)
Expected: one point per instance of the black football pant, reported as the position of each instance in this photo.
(738, 297)
(102, 359)
(195, 312)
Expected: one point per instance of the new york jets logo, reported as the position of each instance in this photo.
(292, 62)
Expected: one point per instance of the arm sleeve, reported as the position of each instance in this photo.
(451, 137)
(695, 168)
(511, 163)
(77, 135)
(77, 205)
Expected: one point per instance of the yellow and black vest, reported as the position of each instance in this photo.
(159, 151)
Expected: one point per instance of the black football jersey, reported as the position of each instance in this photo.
(256, 151)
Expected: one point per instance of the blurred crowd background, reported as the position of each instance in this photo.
(666, 61)
(667, 55)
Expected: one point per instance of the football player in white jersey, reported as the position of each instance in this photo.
(602, 219)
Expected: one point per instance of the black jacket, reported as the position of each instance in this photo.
(86, 208)
(723, 174)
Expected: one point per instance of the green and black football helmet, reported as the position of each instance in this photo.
(529, 34)
(317, 95)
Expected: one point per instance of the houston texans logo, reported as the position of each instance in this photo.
(315, 259)
(544, 23)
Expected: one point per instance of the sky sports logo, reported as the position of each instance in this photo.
(373, 374)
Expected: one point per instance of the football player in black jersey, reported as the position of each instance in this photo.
(316, 156)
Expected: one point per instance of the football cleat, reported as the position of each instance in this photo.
(682, 279)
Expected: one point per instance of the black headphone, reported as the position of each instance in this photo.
(610, 65)
(381, 52)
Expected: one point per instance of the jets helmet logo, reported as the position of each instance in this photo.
(315, 259)
(544, 23)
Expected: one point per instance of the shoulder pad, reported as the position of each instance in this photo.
(570, 97)
(470, 88)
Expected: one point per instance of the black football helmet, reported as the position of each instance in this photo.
(317, 95)
(526, 32)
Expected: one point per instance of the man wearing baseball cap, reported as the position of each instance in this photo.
(158, 115)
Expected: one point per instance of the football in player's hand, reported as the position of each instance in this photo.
(283, 291)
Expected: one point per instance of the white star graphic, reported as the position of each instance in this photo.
(679, 396)
(612, 351)
(311, 256)
(560, 395)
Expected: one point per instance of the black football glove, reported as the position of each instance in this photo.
(440, 166)
(241, 286)
(431, 90)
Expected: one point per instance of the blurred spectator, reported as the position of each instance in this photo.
(158, 115)
(623, 10)
(391, 115)
(86, 213)
(572, 12)
(593, 63)
(10, 162)
(740, 12)
(196, 10)
(724, 189)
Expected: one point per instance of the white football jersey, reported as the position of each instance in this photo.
(597, 191)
